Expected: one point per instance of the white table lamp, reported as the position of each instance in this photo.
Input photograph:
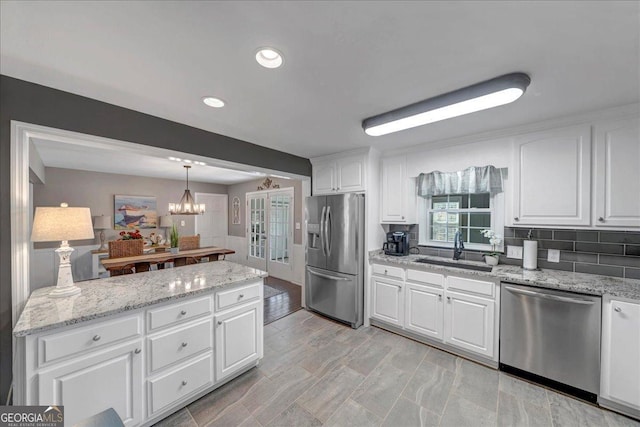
(51, 224)
(166, 221)
(102, 223)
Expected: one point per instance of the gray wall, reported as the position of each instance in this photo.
(240, 190)
(41, 105)
(95, 190)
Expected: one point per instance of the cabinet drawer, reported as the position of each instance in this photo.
(176, 313)
(473, 286)
(179, 344)
(56, 346)
(388, 271)
(231, 297)
(432, 279)
(177, 384)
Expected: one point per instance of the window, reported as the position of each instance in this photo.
(442, 216)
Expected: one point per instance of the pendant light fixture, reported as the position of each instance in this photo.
(187, 205)
(480, 96)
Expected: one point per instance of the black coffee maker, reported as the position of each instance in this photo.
(397, 243)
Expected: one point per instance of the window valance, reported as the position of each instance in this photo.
(473, 180)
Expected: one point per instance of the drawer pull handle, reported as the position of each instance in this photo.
(184, 382)
(385, 271)
(96, 337)
(138, 351)
(183, 312)
(617, 309)
(449, 299)
(601, 219)
(184, 344)
(219, 322)
(241, 296)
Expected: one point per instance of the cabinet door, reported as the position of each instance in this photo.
(423, 310)
(620, 381)
(238, 339)
(552, 177)
(350, 174)
(617, 175)
(90, 384)
(469, 323)
(393, 194)
(388, 304)
(324, 178)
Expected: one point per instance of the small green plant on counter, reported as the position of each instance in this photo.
(174, 236)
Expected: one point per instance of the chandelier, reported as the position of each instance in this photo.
(187, 205)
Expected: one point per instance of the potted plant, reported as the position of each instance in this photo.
(174, 237)
(492, 258)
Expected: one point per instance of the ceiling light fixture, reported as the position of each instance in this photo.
(213, 102)
(187, 205)
(269, 57)
(480, 96)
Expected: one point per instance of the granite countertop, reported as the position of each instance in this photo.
(105, 297)
(591, 284)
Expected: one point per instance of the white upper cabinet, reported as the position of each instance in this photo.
(617, 173)
(552, 177)
(339, 175)
(398, 199)
(324, 178)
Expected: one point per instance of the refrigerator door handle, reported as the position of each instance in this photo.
(327, 276)
(322, 234)
(327, 233)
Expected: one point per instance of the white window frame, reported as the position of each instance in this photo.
(496, 209)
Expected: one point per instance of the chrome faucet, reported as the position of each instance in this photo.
(458, 245)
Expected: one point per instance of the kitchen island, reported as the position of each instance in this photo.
(145, 344)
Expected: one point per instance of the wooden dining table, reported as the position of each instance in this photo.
(212, 252)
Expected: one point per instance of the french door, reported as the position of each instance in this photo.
(270, 232)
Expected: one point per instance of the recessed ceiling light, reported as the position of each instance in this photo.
(213, 102)
(172, 158)
(269, 57)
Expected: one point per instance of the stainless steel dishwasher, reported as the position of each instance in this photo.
(554, 335)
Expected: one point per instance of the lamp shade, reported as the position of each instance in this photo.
(52, 224)
(102, 222)
(166, 221)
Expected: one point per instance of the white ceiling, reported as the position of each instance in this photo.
(344, 61)
(132, 159)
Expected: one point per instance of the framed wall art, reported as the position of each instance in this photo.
(131, 212)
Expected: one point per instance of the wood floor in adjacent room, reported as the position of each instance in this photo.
(283, 304)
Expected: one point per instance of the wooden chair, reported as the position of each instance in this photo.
(186, 243)
(125, 248)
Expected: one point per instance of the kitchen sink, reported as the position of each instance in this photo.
(455, 264)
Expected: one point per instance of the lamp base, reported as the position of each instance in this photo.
(102, 246)
(64, 285)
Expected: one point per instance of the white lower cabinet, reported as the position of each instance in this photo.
(458, 311)
(423, 310)
(176, 384)
(388, 302)
(87, 385)
(620, 370)
(469, 323)
(238, 339)
(119, 363)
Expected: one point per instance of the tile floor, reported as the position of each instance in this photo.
(318, 372)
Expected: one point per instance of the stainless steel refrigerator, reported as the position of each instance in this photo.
(335, 256)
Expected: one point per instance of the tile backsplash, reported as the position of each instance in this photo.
(609, 253)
